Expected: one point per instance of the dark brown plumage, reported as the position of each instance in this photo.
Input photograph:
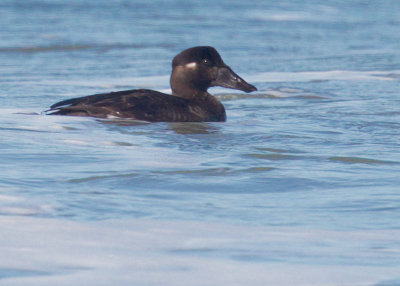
(193, 71)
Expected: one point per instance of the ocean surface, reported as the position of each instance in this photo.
(301, 185)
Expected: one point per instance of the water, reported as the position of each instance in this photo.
(299, 187)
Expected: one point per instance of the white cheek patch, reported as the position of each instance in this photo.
(191, 65)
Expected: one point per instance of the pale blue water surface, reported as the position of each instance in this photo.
(316, 149)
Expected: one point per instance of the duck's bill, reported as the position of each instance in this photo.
(226, 77)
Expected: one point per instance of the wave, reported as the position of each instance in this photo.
(359, 160)
(339, 75)
(79, 47)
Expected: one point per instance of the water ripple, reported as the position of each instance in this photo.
(359, 160)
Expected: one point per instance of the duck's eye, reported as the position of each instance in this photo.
(206, 61)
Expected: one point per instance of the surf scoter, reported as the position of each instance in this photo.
(193, 71)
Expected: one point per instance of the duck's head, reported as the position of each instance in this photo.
(196, 69)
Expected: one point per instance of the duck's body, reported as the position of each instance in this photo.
(144, 104)
(193, 71)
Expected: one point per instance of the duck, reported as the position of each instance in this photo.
(194, 70)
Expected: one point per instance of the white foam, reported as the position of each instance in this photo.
(316, 13)
(76, 142)
(9, 199)
(150, 252)
(14, 205)
(279, 16)
(14, 210)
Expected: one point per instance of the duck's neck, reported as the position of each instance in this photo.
(186, 86)
(188, 93)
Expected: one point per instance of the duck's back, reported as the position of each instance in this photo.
(143, 104)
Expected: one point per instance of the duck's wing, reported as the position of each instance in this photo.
(96, 98)
(96, 105)
(140, 104)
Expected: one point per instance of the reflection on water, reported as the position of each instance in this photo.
(194, 128)
(122, 122)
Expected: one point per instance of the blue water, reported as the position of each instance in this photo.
(317, 147)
